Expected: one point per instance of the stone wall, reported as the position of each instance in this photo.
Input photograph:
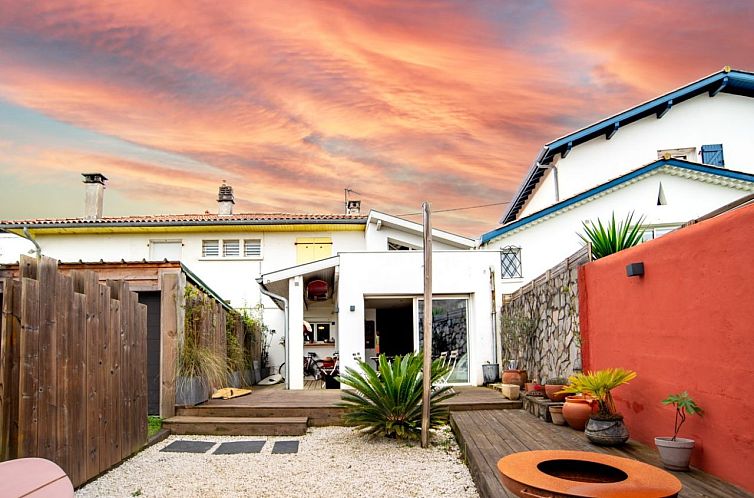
(540, 322)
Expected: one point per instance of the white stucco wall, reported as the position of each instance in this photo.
(11, 246)
(454, 273)
(724, 119)
(377, 239)
(546, 243)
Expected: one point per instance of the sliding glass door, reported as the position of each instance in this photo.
(450, 332)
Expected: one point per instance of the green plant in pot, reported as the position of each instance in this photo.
(199, 369)
(606, 427)
(675, 452)
(554, 387)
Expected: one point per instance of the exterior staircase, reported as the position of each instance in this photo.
(236, 425)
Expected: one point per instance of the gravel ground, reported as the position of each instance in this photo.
(331, 461)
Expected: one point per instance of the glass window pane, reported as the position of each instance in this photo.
(510, 262)
(210, 248)
(231, 248)
(449, 333)
(252, 248)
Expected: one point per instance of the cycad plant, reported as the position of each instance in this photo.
(598, 385)
(614, 236)
(389, 403)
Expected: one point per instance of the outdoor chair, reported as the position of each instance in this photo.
(452, 360)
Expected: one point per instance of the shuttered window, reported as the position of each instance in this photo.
(252, 248)
(210, 248)
(231, 248)
(713, 155)
(313, 249)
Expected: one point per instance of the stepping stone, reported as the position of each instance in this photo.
(238, 447)
(188, 447)
(282, 447)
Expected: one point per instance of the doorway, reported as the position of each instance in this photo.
(393, 323)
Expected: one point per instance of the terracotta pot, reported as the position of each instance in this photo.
(556, 413)
(515, 376)
(534, 386)
(551, 389)
(577, 410)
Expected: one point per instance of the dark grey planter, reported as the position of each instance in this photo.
(248, 377)
(606, 432)
(234, 379)
(191, 391)
(491, 373)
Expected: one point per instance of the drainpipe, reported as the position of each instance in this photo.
(493, 316)
(285, 313)
(27, 235)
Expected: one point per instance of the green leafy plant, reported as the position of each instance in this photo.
(599, 385)
(613, 237)
(683, 405)
(557, 381)
(390, 403)
(154, 424)
(236, 360)
(195, 359)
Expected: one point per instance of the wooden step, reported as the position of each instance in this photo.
(237, 426)
(318, 416)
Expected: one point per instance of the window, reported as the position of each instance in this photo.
(396, 245)
(231, 248)
(165, 250)
(321, 332)
(210, 248)
(450, 331)
(252, 248)
(713, 155)
(313, 249)
(685, 154)
(510, 262)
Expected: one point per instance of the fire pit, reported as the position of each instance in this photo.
(562, 474)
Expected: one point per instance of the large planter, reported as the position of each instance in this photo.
(491, 372)
(606, 432)
(248, 377)
(552, 389)
(556, 413)
(675, 455)
(515, 376)
(191, 391)
(577, 410)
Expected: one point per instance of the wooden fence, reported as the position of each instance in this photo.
(73, 385)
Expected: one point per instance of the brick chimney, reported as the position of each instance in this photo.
(354, 207)
(225, 200)
(94, 195)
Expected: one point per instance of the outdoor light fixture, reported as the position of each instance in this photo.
(635, 269)
(353, 308)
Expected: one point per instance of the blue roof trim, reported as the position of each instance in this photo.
(734, 82)
(702, 168)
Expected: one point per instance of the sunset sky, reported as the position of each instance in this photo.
(293, 101)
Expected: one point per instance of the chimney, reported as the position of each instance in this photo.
(225, 200)
(354, 207)
(94, 195)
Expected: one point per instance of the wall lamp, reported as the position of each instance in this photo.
(635, 269)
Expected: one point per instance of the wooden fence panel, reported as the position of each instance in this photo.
(169, 306)
(73, 359)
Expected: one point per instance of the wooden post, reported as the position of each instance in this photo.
(427, 323)
(168, 343)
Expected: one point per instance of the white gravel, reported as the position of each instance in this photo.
(331, 462)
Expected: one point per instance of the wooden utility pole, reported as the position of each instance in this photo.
(427, 375)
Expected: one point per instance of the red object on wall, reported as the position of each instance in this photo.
(686, 325)
(316, 290)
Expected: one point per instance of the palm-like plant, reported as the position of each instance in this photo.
(390, 403)
(598, 385)
(613, 237)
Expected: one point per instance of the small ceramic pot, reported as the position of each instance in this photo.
(675, 455)
(556, 413)
(551, 389)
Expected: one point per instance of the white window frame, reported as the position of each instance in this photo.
(231, 244)
(221, 255)
(153, 242)
(254, 256)
(218, 243)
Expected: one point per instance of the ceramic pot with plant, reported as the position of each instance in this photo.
(553, 386)
(675, 452)
(606, 426)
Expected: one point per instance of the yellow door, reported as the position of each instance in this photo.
(312, 248)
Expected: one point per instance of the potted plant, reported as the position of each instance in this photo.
(199, 370)
(675, 452)
(605, 427)
(553, 388)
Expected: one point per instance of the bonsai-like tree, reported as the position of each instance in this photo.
(598, 385)
(683, 405)
(612, 237)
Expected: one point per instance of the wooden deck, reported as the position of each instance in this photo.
(320, 405)
(487, 436)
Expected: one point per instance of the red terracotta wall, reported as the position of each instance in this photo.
(687, 324)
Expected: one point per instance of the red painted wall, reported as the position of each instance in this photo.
(687, 324)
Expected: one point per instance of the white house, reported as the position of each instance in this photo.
(372, 274)
(670, 159)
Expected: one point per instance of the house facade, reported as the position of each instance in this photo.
(670, 159)
(370, 265)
